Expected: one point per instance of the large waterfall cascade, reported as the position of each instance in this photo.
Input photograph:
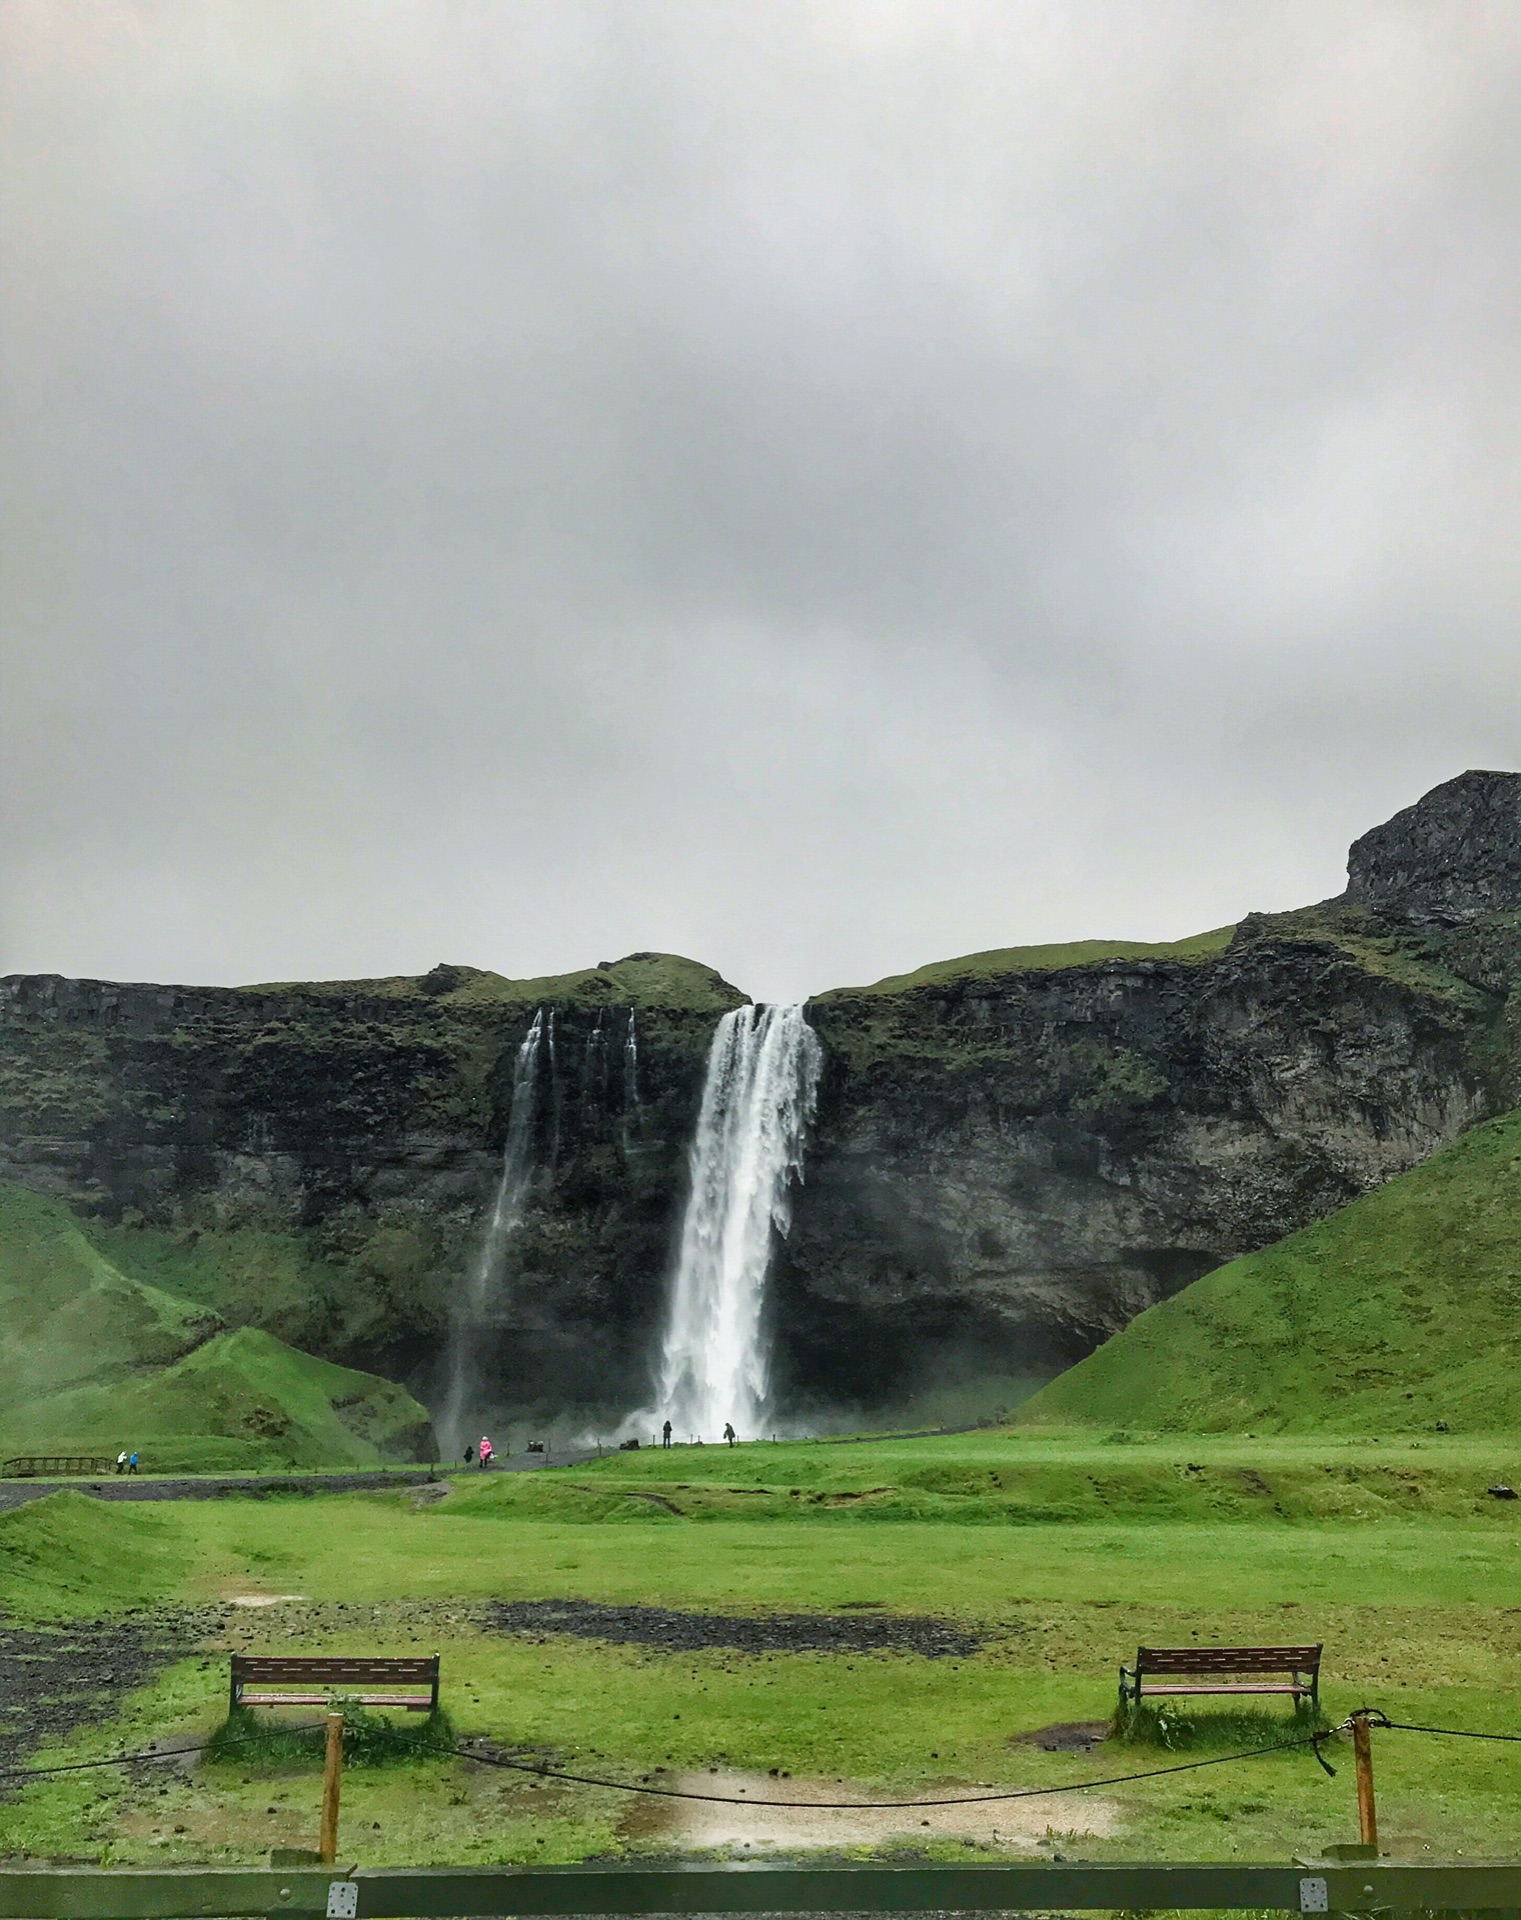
(747, 1154)
(505, 1216)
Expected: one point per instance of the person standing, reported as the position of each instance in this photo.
(132, 1461)
(486, 1451)
(121, 1461)
(469, 1452)
(729, 1433)
(665, 1434)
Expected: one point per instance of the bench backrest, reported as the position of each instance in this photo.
(1207, 1660)
(332, 1670)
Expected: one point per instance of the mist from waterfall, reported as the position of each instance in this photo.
(747, 1154)
(482, 1287)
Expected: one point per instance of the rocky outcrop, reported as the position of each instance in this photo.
(1013, 1155)
(1454, 855)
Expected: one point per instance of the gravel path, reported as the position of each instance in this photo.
(16, 1493)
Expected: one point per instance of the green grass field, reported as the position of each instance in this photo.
(1067, 1549)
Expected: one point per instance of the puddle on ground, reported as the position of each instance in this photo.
(1013, 1824)
(260, 1599)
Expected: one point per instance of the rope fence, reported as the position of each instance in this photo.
(464, 1751)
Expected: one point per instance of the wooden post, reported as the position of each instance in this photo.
(1362, 1748)
(332, 1783)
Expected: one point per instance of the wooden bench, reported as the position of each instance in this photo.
(1192, 1670)
(302, 1680)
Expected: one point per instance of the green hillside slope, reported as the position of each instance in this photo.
(1399, 1311)
(1043, 959)
(94, 1359)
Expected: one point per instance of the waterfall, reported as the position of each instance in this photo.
(633, 1118)
(594, 1074)
(556, 1098)
(757, 1101)
(505, 1216)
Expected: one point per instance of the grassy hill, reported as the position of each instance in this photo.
(1399, 1311)
(999, 961)
(94, 1358)
(648, 981)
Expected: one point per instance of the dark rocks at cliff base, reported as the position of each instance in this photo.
(1455, 854)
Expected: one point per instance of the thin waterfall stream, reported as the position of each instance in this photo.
(747, 1154)
(480, 1294)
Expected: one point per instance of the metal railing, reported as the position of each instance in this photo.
(32, 1466)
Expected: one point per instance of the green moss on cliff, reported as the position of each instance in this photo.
(53, 1081)
(650, 981)
(343, 1288)
(1417, 960)
(67, 1315)
(1396, 1312)
(999, 961)
(94, 1358)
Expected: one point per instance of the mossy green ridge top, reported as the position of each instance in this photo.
(1392, 1314)
(94, 1359)
(641, 980)
(1043, 959)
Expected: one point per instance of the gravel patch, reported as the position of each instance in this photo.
(54, 1679)
(1067, 1736)
(671, 1630)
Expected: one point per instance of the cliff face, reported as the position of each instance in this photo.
(317, 1160)
(1014, 1153)
(1014, 1164)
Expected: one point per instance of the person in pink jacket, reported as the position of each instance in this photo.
(486, 1451)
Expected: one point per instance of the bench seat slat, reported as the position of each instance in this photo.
(1264, 1686)
(420, 1701)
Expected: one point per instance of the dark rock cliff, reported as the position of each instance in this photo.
(317, 1159)
(1014, 1153)
(1454, 855)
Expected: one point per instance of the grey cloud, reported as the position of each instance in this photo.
(818, 486)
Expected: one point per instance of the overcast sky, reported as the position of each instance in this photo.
(818, 487)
